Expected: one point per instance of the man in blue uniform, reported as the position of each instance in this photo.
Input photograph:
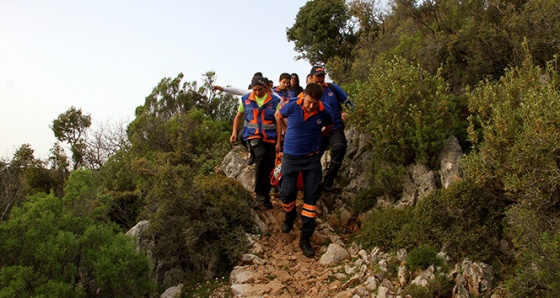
(308, 119)
(256, 111)
(335, 97)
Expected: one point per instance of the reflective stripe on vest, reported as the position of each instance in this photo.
(260, 121)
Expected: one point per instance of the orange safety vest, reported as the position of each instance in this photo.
(259, 121)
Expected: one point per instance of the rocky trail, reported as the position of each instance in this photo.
(274, 265)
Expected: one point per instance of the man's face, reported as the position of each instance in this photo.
(319, 79)
(259, 90)
(284, 84)
(310, 104)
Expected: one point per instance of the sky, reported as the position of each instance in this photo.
(105, 56)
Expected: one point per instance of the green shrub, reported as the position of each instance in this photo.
(384, 179)
(365, 200)
(439, 287)
(515, 130)
(46, 250)
(423, 257)
(381, 225)
(200, 220)
(407, 111)
(464, 220)
(537, 268)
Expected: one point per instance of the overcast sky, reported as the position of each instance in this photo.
(105, 56)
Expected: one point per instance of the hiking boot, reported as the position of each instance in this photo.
(287, 226)
(306, 247)
(251, 159)
(331, 189)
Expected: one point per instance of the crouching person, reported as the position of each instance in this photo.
(308, 120)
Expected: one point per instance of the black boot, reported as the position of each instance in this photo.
(287, 226)
(251, 159)
(306, 247)
(265, 201)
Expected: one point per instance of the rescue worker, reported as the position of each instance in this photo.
(335, 97)
(283, 88)
(261, 133)
(307, 116)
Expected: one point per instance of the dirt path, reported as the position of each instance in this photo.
(276, 267)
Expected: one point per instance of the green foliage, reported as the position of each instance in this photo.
(365, 200)
(22, 176)
(381, 225)
(71, 127)
(422, 257)
(519, 120)
(538, 23)
(196, 286)
(463, 220)
(199, 141)
(515, 129)
(323, 31)
(120, 184)
(179, 124)
(45, 249)
(81, 194)
(465, 41)
(35, 177)
(201, 220)
(59, 168)
(408, 115)
(537, 270)
(407, 112)
(438, 287)
(170, 100)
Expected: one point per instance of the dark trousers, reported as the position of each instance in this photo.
(336, 140)
(265, 156)
(310, 167)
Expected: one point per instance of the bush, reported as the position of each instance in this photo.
(463, 220)
(46, 250)
(200, 220)
(381, 226)
(515, 130)
(423, 257)
(365, 199)
(537, 268)
(407, 111)
(439, 287)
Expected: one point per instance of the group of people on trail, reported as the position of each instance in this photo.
(301, 123)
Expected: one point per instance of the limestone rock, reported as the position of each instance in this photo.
(272, 289)
(479, 277)
(450, 162)
(335, 253)
(419, 182)
(242, 275)
(173, 292)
